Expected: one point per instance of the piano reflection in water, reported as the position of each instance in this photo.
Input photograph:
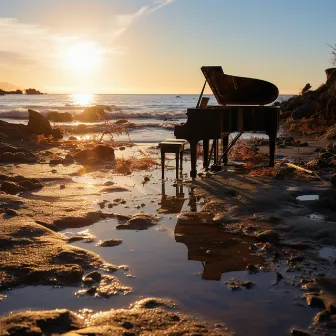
(241, 109)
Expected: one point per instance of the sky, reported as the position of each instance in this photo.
(159, 46)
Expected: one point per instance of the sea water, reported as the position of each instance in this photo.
(154, 114)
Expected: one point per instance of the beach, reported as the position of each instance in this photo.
(226, 248)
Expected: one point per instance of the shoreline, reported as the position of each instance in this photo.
(74, 199)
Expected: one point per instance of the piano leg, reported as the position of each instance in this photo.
(206, 154)
(215, 141)
(272, 141)
(225, 142)
(162, 164)
(193, 157)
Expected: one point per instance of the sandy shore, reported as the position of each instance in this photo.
(231, 221)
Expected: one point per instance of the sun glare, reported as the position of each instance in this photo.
(83, 57)
(82, 99)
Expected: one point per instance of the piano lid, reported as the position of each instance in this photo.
(233, 90)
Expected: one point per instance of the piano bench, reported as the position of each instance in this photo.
(172, 146)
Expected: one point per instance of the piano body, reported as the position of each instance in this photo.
(241, 109)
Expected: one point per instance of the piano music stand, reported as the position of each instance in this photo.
(172, 146)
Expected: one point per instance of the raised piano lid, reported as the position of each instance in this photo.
(234, 90)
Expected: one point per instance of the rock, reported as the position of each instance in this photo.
(108, 183)
(152, 303)
(108, 286)
(40, 323)
(4, 148)
(72, 138)
(110, 243)
(139, 222)
(303, 144)
(11, 188)
(33, 254)
(39, 124)
(7, 157)
(94, 275)
(92, 113)
(59, 116)
(323, 316)
(315, 301)
(306, 88)
(269, 236)
(76, 222)
(299, 332)
(292, 103)
(121, 121)
(305, 111)
(98, 153)
(333, 181)
(331, 133)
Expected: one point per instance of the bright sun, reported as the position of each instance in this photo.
(83, 57)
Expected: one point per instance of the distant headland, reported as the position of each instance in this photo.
(29, 91)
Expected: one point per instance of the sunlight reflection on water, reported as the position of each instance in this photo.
(83, 99)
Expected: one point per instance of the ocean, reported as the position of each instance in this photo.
(154, 114)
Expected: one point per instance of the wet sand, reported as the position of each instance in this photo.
(237, 256)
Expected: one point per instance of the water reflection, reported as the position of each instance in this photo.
(218, 251)
(174, 204)
(82, 99)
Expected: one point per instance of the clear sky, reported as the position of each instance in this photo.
(158, 46)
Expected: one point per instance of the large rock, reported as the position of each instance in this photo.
(40, 323)
(59, 117)
(33, 254)
(92, 113)
(97, 154)
(305, 111)
(39, 124)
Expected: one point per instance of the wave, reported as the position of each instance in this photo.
(22, 113)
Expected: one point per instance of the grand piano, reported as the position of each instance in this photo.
(241, 109)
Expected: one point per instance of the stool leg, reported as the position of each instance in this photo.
(162, 163)
(177, 164)
(181, 160)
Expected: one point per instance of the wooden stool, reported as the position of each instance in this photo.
(172, 146)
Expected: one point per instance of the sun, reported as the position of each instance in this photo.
(82, 57)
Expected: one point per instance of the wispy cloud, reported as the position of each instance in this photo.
(126, 20)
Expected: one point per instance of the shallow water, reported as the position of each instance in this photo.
(308, 198)
(188, 263)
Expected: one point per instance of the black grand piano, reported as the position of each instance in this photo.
(241, 109)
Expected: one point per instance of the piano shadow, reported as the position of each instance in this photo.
(217, 251)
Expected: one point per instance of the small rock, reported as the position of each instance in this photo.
(11, 188)
(110, 243)
(299, 332)
(94, 275)
(62, 186)
(333, 181)
(315, 301)
(11, 212)
(252, 268)
(268, 236)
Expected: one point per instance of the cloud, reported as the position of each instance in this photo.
(126, 20)
(26, 44)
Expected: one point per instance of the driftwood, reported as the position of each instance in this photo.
(299, 168)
